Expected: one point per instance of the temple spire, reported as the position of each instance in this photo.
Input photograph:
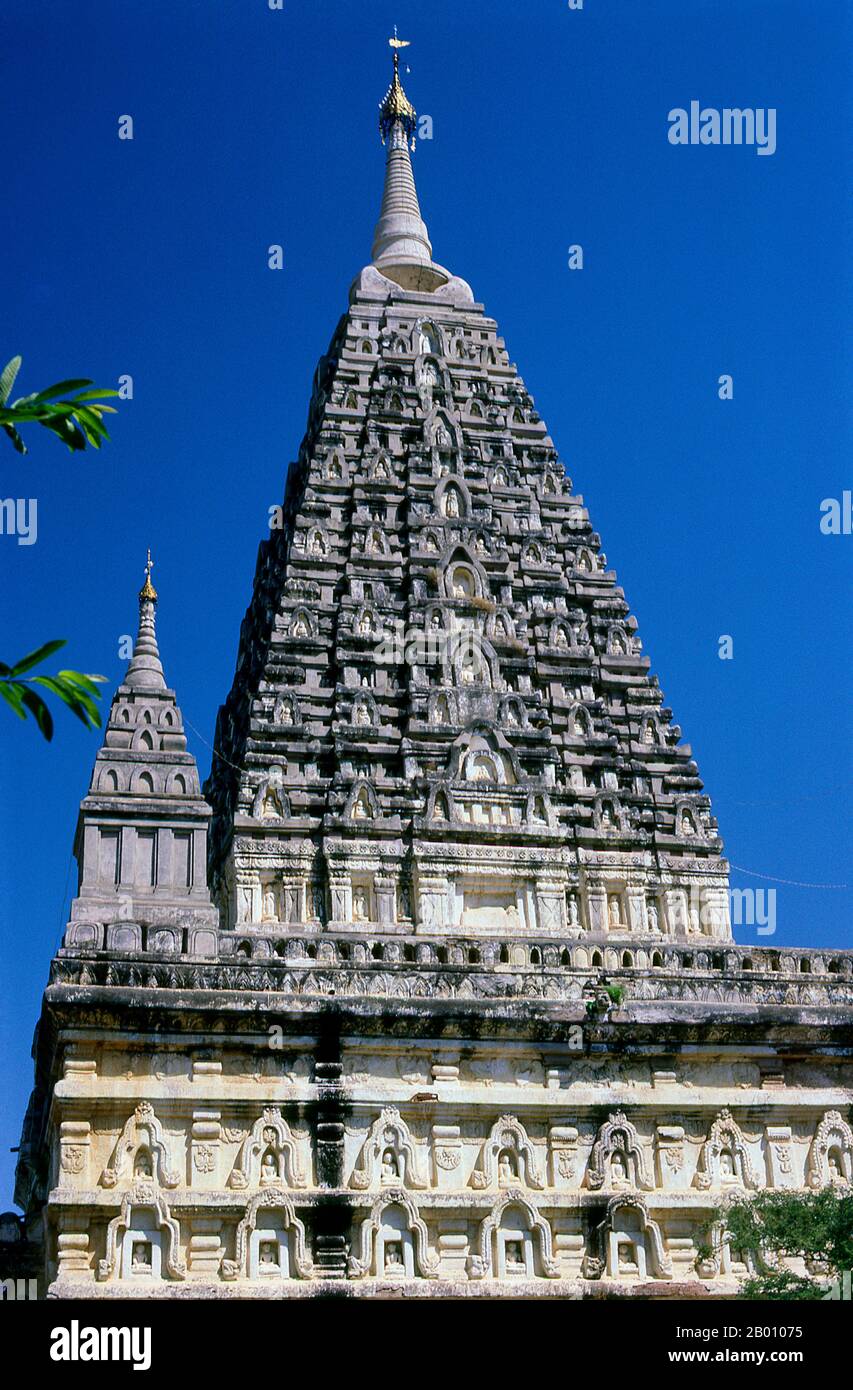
(145, 671)
(401, 244)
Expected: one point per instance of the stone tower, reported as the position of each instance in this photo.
(467, 1015)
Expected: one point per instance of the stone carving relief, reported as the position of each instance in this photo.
(268, 1154)
(514, 1240)
(617, 1158)
(388, 1155)
(276, 1250)
(724, 1160)
(831, 1155)
(627, 1243)
(508, 1158)
(144, 1239)
(140, 1152)
(393, 1242)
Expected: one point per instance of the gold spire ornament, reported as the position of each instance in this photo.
(148, 592)
(395, 107)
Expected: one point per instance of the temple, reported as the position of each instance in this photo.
(434, 990)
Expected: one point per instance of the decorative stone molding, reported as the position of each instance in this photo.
(141, 1130)
(274, 1199)
(270, 1132)
(507, 1158)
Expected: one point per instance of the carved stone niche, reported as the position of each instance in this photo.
(563, 1156)
(831, 1154)
(268, 1155)
(270, 1242)
(143, 1241)
(393, 1242)
(627, 1244)
(508, 1158)
(617, 1159)
(514, 1242)
(140, 1153)
(670, 1155)
(724, 1160)
(388, 1156)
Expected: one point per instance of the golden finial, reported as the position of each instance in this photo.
(148, 591)
(395, 108)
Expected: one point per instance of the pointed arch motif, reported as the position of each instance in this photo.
(141, 1129)
(287, 711)
(143, 1196)
(481, 1264)
(277, 1200)
(618, 1136)
(270, 1131)
(363, 712)
(372, 1239)
(833, 1132)
(600, 1258)
(302, 624)
(725, 1133)
(388, 1132)
(507, 1134)
(362, 803)
(270, 801)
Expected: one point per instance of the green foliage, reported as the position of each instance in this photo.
(616, 992)
(76, 420)
(784, 1287)
(816, 1226)
(79, 692)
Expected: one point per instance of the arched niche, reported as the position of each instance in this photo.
(393, 1242)
(143, 1241)
(507, 1158)
(268, 1155)
(388, 1155)
(515, 1223)
(270, 1242)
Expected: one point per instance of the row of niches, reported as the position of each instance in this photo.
(435, 385)
(425, 337)
(516, 903)
(143, 1240)
(330, 949)
(397, 1239)
(641, 1153)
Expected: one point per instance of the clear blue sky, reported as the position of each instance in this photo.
(255, 127)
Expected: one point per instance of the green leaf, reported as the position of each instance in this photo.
(89, 683)
(41, 654)
(15, 437)
(13, 693)
(79, 703)
(96, 394)
(40, 712)
(61, 388)
(65, 430)
(7, 378)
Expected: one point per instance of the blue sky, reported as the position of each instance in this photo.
(254, 127)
